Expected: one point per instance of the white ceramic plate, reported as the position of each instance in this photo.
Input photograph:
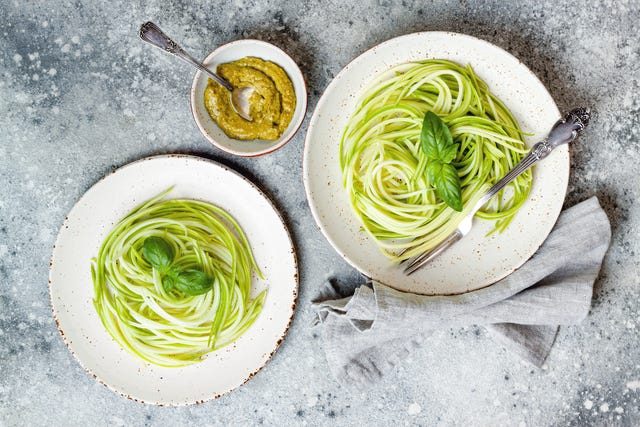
(476, 261)
(90, 221)
(232, 52)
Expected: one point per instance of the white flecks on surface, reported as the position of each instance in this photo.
(604, 407)
(588, 404)
(312, 401)
(414, 409)
(630, 324)
(116, 421)
(45, 235)
(22, 98)
(634, 385)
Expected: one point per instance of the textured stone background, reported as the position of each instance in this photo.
(81, 95)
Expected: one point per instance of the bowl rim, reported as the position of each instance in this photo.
(270, 148)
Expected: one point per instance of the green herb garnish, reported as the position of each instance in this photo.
(159, 253)
(437, 144)
(193, 282)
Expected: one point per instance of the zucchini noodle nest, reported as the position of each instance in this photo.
(384, 167)
(171, 328)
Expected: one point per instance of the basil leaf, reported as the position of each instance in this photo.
(193, 282)
(434, 170)
(447, 184)
(173, 272)
(435, 138)
(450, 153)
(168, 283)
(437, 144)
(158, 252)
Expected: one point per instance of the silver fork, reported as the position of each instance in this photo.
(563, 131)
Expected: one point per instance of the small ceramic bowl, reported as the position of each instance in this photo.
(231, 52)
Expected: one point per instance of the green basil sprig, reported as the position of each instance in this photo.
(437, 143)
(193, 282)
(159, 253)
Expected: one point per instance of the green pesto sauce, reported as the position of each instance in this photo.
(271, 105)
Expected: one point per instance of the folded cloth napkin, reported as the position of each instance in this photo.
(371, 331)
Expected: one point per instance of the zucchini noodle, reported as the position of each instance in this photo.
(384, 167)
(173, 329)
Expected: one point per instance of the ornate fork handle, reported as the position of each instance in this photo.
(564, 131)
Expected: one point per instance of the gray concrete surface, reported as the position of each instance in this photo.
(80, 95)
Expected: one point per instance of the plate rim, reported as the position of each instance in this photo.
(314, 118)
(278, 342)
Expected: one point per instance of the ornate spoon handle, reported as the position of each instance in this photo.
(153, 35)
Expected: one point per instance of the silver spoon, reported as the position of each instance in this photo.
(151, 33)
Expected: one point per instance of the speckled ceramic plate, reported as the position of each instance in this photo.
(90, 221)
(476, 261)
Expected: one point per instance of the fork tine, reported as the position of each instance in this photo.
(420, 261)
(402, 253)
(423, 258)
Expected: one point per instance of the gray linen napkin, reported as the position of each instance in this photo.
(368, 333)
